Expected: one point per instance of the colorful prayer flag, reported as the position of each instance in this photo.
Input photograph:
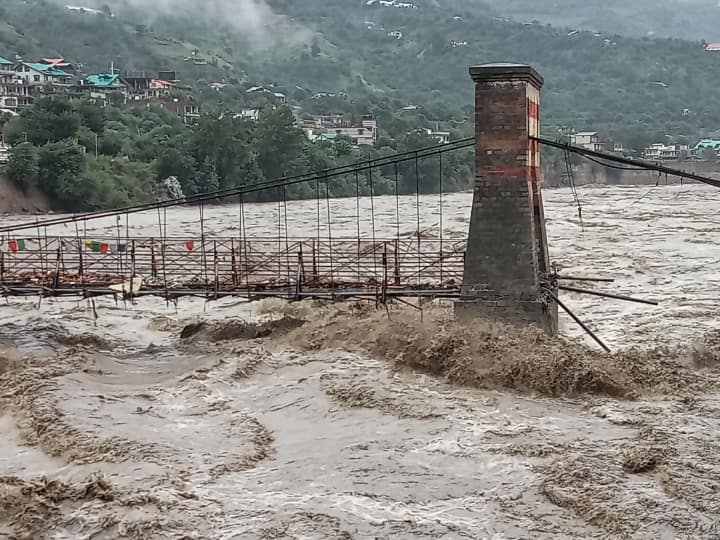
(92, 245)
(121, 248)
(21, 244)
(189, 245)
(104, 248)
(12, 244)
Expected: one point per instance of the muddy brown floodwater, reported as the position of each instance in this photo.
(232, 420)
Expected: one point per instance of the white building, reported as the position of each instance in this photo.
(41, 74)
(4, 153)
(587, 139)
(249, 114)
(365, 134)
(665, 152)
(328, 120)
(442, 137)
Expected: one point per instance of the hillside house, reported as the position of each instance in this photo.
(705, 148)
(21, 82)
(712, 47)
(280, 97)
(442, 137)
(101, 86)
(61, 64)
(143, 87)
(328, 120)
(187, 109)
(40, 74)
(364, 134)
(589, 140)
(665, 152)
(249, 114)
(10, 85)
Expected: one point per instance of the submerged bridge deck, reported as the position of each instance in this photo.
(222, 266)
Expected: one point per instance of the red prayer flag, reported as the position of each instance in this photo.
(104, 248)
(189, 245)
(12, 244)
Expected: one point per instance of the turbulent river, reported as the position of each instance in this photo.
(233, 420)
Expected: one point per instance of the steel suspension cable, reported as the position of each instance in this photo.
(253, 188)
(642, 165)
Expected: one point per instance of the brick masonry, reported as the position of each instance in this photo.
(507, 262)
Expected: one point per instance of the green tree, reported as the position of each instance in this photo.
(111, 143)
(92, 116)
(22, 168)
(223, 142)
(48, 120)
(342, 146)
(60, 165)
(279, 143)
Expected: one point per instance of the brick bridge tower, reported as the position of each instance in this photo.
(507, 263)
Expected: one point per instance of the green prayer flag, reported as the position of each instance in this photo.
(21, 245)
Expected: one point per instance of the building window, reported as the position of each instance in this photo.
(361, 131)
(36, 78)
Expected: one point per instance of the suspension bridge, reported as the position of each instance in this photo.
(500, 268)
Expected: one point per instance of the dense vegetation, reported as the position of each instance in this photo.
(86, 157)
(621, 85)
(335, 56)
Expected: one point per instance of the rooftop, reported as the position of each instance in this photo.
(56, 62)
(46, 68)
(708, 143)
(6, 61)
(103, 79)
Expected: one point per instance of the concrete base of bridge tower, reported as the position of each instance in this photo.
(542, 314)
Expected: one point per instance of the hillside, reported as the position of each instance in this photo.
(633, 86)
(688, 19)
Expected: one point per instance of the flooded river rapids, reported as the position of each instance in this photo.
(235, 420)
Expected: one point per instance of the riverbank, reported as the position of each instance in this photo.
(14, 201)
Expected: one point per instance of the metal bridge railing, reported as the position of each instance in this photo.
(227, 263)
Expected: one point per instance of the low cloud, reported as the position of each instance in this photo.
(253, 18)
(245, 15)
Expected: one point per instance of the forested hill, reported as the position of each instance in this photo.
(689, 19)
(592, 81)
